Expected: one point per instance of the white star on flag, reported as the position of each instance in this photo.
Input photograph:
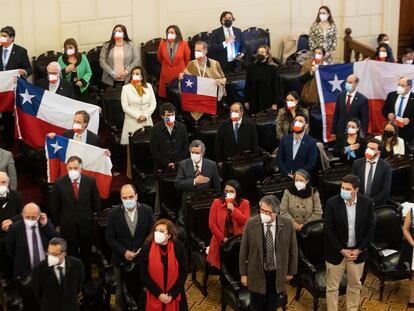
(56, 147)
(27, 97)
(336, 84)
(189, 83)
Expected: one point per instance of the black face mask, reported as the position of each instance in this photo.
(388, 134)
(228, 23)
(260, 57)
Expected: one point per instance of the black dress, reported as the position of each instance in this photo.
(262, 87)
(342, 143)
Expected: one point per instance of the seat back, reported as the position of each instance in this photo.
(170, 197)
(174, 94)
(388, 232)
(303, 42)
(206, 131)
(401, 177)
(229, 257)
(235, 86)
(274, 185)
(311, 242)
(253, 38)
(112, 108)
(139, 148)
(40, 64)
(289, 80)
(266, 130)
(330, 181)
(93, 59)
(149, 58)
(201, 36)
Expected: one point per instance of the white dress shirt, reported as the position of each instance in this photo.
(9, 50)
(231, 50)
(273, 230)
(367, 167)
(397, 103)
(54, 87)
(351, 215)
(297, 140)
(29, 232)
(56, 270)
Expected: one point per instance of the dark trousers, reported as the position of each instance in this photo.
(267, 302)
(7, 136)
(81, 247)
(315, 122)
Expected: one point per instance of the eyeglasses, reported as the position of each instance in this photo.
(53, 254)
(265, 212)
(31, 217)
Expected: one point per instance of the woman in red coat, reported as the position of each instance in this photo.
(228, 216)
(173, 55)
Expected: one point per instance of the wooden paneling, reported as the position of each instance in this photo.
(406, 30)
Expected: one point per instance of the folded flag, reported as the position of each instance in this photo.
(39, 112)
(198, 94)
(94, 161)
(7, 86)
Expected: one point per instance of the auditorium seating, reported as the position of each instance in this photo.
(169, 197)
(330, 181)
(112, 112)
(149, 60)
(206, 131)
(266, 130)
(93, 58)
(253, 38)
(273, 185)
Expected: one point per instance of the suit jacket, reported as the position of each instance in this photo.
(70, 213)
(52, 296)
(65, 88)
(226, 144)
(18, 60)
(118, 236)
(7, 165)
(18, 247)
(185, 177)
(407, 131)
(358, 109)
(336, 228)
(166, 148)
(91, 137)
(10, 208)
(253, 252)
(218, 51)
(305, 157)
(381, 183)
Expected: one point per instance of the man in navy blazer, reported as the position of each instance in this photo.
(297, 150)
(350, 104)
(226, 43)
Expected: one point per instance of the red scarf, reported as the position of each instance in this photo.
(156, 273)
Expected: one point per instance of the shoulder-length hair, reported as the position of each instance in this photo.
(394, 139)
(143, 74)
(177, 30)
(330, 19)
(270, 60)
(111, 41)
(170, 227)
(358, 123)
(236, 185)
(72, 41)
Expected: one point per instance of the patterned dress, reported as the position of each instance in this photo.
(324, 38)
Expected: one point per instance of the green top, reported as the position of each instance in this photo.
(84, 72)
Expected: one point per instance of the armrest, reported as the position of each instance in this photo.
(375, 251)
(307, 264)
(235, 285)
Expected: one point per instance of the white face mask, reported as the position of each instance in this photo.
(198, 55)
(170, 119)
(171, 37)
(119, 35)
(290, 104)
(74, 175)
(70, 52)
(52, 260)
(265, 218)
(196, 157)
(352, 130)
(3, 190)
(408, 61)
(318, 56)
(323, 17)
(136, 78)
(300, 185)
(76, 127)
(3, 39)
(159, 237)
(234, 115)
(400, 90)
(30, 223)
(387, 42)
(382, 54)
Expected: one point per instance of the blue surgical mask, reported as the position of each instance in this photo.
(129, 204)
(348, 87)
(346, 195)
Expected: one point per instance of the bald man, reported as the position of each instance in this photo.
(54, 83)
(28, 238)
(350, 104)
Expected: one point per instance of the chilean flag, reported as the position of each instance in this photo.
(39, 112)
(94, 161)
(7, 86)
(198, 94)
(376, 80)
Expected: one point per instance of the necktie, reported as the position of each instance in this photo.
(270, 252)
(228, 225)
(78, 137)
(75, 189)
(36, 255)
(5, 58)
(369, 179)
(236, 130)
(61, 275)
(348, 103)
(400, 107)
(197, 170)
(295, 147)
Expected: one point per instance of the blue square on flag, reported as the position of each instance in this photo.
(56, 148)
(333, 79)
(189, 84)
(28, 97)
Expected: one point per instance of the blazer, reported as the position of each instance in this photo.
(218, 51)
(65, 88)
(131, 59)
(70, 213)
(336, 228)
(166, 148)
(83, 70)
(216, 222)
(358, 109)
(135, 106)
(50, 294)
(185, 177)
(381, 183)
(170, 69)
(226, 144)
(305, 157)
(407, 131)
(399, 148)
(7, 165)
(252, 254)
(18, 60)
(18, 247)
(91, 137)
(10, 208)
(118, 236)
(341, 143)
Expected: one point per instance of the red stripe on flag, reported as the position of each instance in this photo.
(329, 112)
(198, 103)
(376, 119)
(6, 101)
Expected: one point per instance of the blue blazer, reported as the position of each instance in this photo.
(305, 157)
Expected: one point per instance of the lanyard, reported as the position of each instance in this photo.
(204, 69)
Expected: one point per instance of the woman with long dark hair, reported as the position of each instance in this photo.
(392, 143)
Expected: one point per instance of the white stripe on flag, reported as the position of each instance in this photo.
(322, 103)
(7, 80)
(206, 86)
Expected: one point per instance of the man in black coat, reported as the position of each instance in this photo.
(57, 281)
(399, 108)
(375, 173)
(128, 226)
(74, 204)
(235, 135)
(350, 104)
(55, 83)
(349, 224)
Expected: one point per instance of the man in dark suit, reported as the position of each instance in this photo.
(350, 104)
(226, 43)
(74, 204)
(80, 131)
(54, 83)
(169, 140)
(57, 281)
(268, 255)
(297, 150)
(235, 135)
(127, 228)
(374, 173)
(349, 222)
(12, 57)
(399, 108)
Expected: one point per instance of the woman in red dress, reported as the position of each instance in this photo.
(228, 216)
(173, 55)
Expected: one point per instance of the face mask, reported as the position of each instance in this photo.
(52, 260)
(70, 52)
(234, 116)
(3, 190)
(265, 218)
(298, 127)
(159, 237)
(198, 55)
(53, 78)
(408, 61)
(388, 133)
(369, 153)
(300, 185)
(171, 37)
(352, 130)
(195, 157)
(348, 87)
(73, 174)
(228, 23)
(317, 56)
(260, 57)
(136, 79)
(129, 204)
(382, 54)
(170, 120)
(346, 195)
(323, 17)
(387, 42)
(30, 223)
(3, 40)
(400, 90)
(290, 104)
(229, 197)
(118, 35)
(77, 127)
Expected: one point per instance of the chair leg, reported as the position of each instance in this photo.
(298, 292)
(315, 304)
(223, 305)
(382, 286)
(205, 280)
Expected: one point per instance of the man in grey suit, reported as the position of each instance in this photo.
(268, 255)
(7, 165)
